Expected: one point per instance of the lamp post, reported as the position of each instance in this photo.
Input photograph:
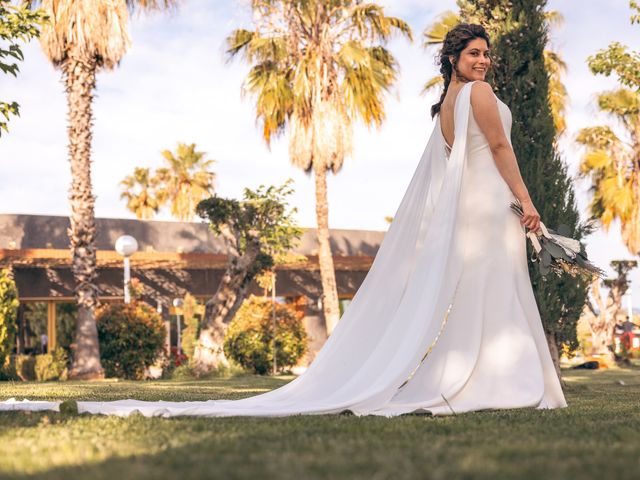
(178, 303)
(126, 246)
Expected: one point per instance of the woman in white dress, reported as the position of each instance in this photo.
(445, 321)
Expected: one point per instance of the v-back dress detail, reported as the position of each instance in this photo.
(450, 280)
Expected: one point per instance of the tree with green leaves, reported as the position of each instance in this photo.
(612, 160)
(268, 281)
(17, 24)
(254, 229)
(316, 67)
(256, 346)
(82, 38)
(8, 315)
(518, 29)
(434, 35)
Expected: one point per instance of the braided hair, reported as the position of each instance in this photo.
(455, 41)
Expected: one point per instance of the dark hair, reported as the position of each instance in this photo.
(455, 41)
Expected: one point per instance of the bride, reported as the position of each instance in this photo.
(445, 321)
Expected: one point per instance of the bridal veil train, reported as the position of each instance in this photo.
(444, 322)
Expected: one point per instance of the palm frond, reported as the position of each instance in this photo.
(274, 97)
(151, 5)
(597, 159)
(86, 29)
(91, 29)
(554, 17)
(371, 23)
(621, 102)
(351, 54)
(432, 83)
(238, 41)
(365, 83)
(434, 34)
(602, 137)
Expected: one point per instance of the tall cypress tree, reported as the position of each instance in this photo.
(518, 30)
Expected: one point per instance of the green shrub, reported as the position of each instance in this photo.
(8, 370)
(51, 366)
(189, 335)
(131, 338)
(186, 372)
(8, 315)
(249, 339)
(25, 367)
(182, 372)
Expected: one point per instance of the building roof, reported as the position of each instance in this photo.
(47, 231)
(42, 240)
(174, 258)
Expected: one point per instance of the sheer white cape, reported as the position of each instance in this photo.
(394, 319)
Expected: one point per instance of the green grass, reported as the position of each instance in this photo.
(598, 436)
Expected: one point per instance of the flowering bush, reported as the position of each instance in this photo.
(178, 359)
(131, 338)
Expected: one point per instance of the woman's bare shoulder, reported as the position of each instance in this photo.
(484, 105)
(481, 90)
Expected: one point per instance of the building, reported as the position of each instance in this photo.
(174, 258)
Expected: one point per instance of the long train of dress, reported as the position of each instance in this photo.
(444, 322)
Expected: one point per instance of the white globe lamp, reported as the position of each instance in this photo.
(126, 246)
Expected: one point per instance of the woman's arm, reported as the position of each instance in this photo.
(486, 113)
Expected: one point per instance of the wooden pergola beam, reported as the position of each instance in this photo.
(50, 257)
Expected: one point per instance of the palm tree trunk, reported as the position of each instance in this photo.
(330, 306)
(80, 79)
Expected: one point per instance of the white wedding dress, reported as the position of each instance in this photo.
(445, 321)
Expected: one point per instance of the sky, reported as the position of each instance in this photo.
(176, 85)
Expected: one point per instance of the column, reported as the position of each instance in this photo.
(51, 325)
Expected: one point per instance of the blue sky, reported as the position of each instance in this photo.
(176, 85)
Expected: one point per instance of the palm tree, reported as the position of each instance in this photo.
(139, 192)
(81, 38)
(613, 164)
(185, 181)
(317, 66)
(434, 35)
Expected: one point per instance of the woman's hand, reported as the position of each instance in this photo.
(530, 217)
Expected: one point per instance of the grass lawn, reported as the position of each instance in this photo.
(597, 437)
